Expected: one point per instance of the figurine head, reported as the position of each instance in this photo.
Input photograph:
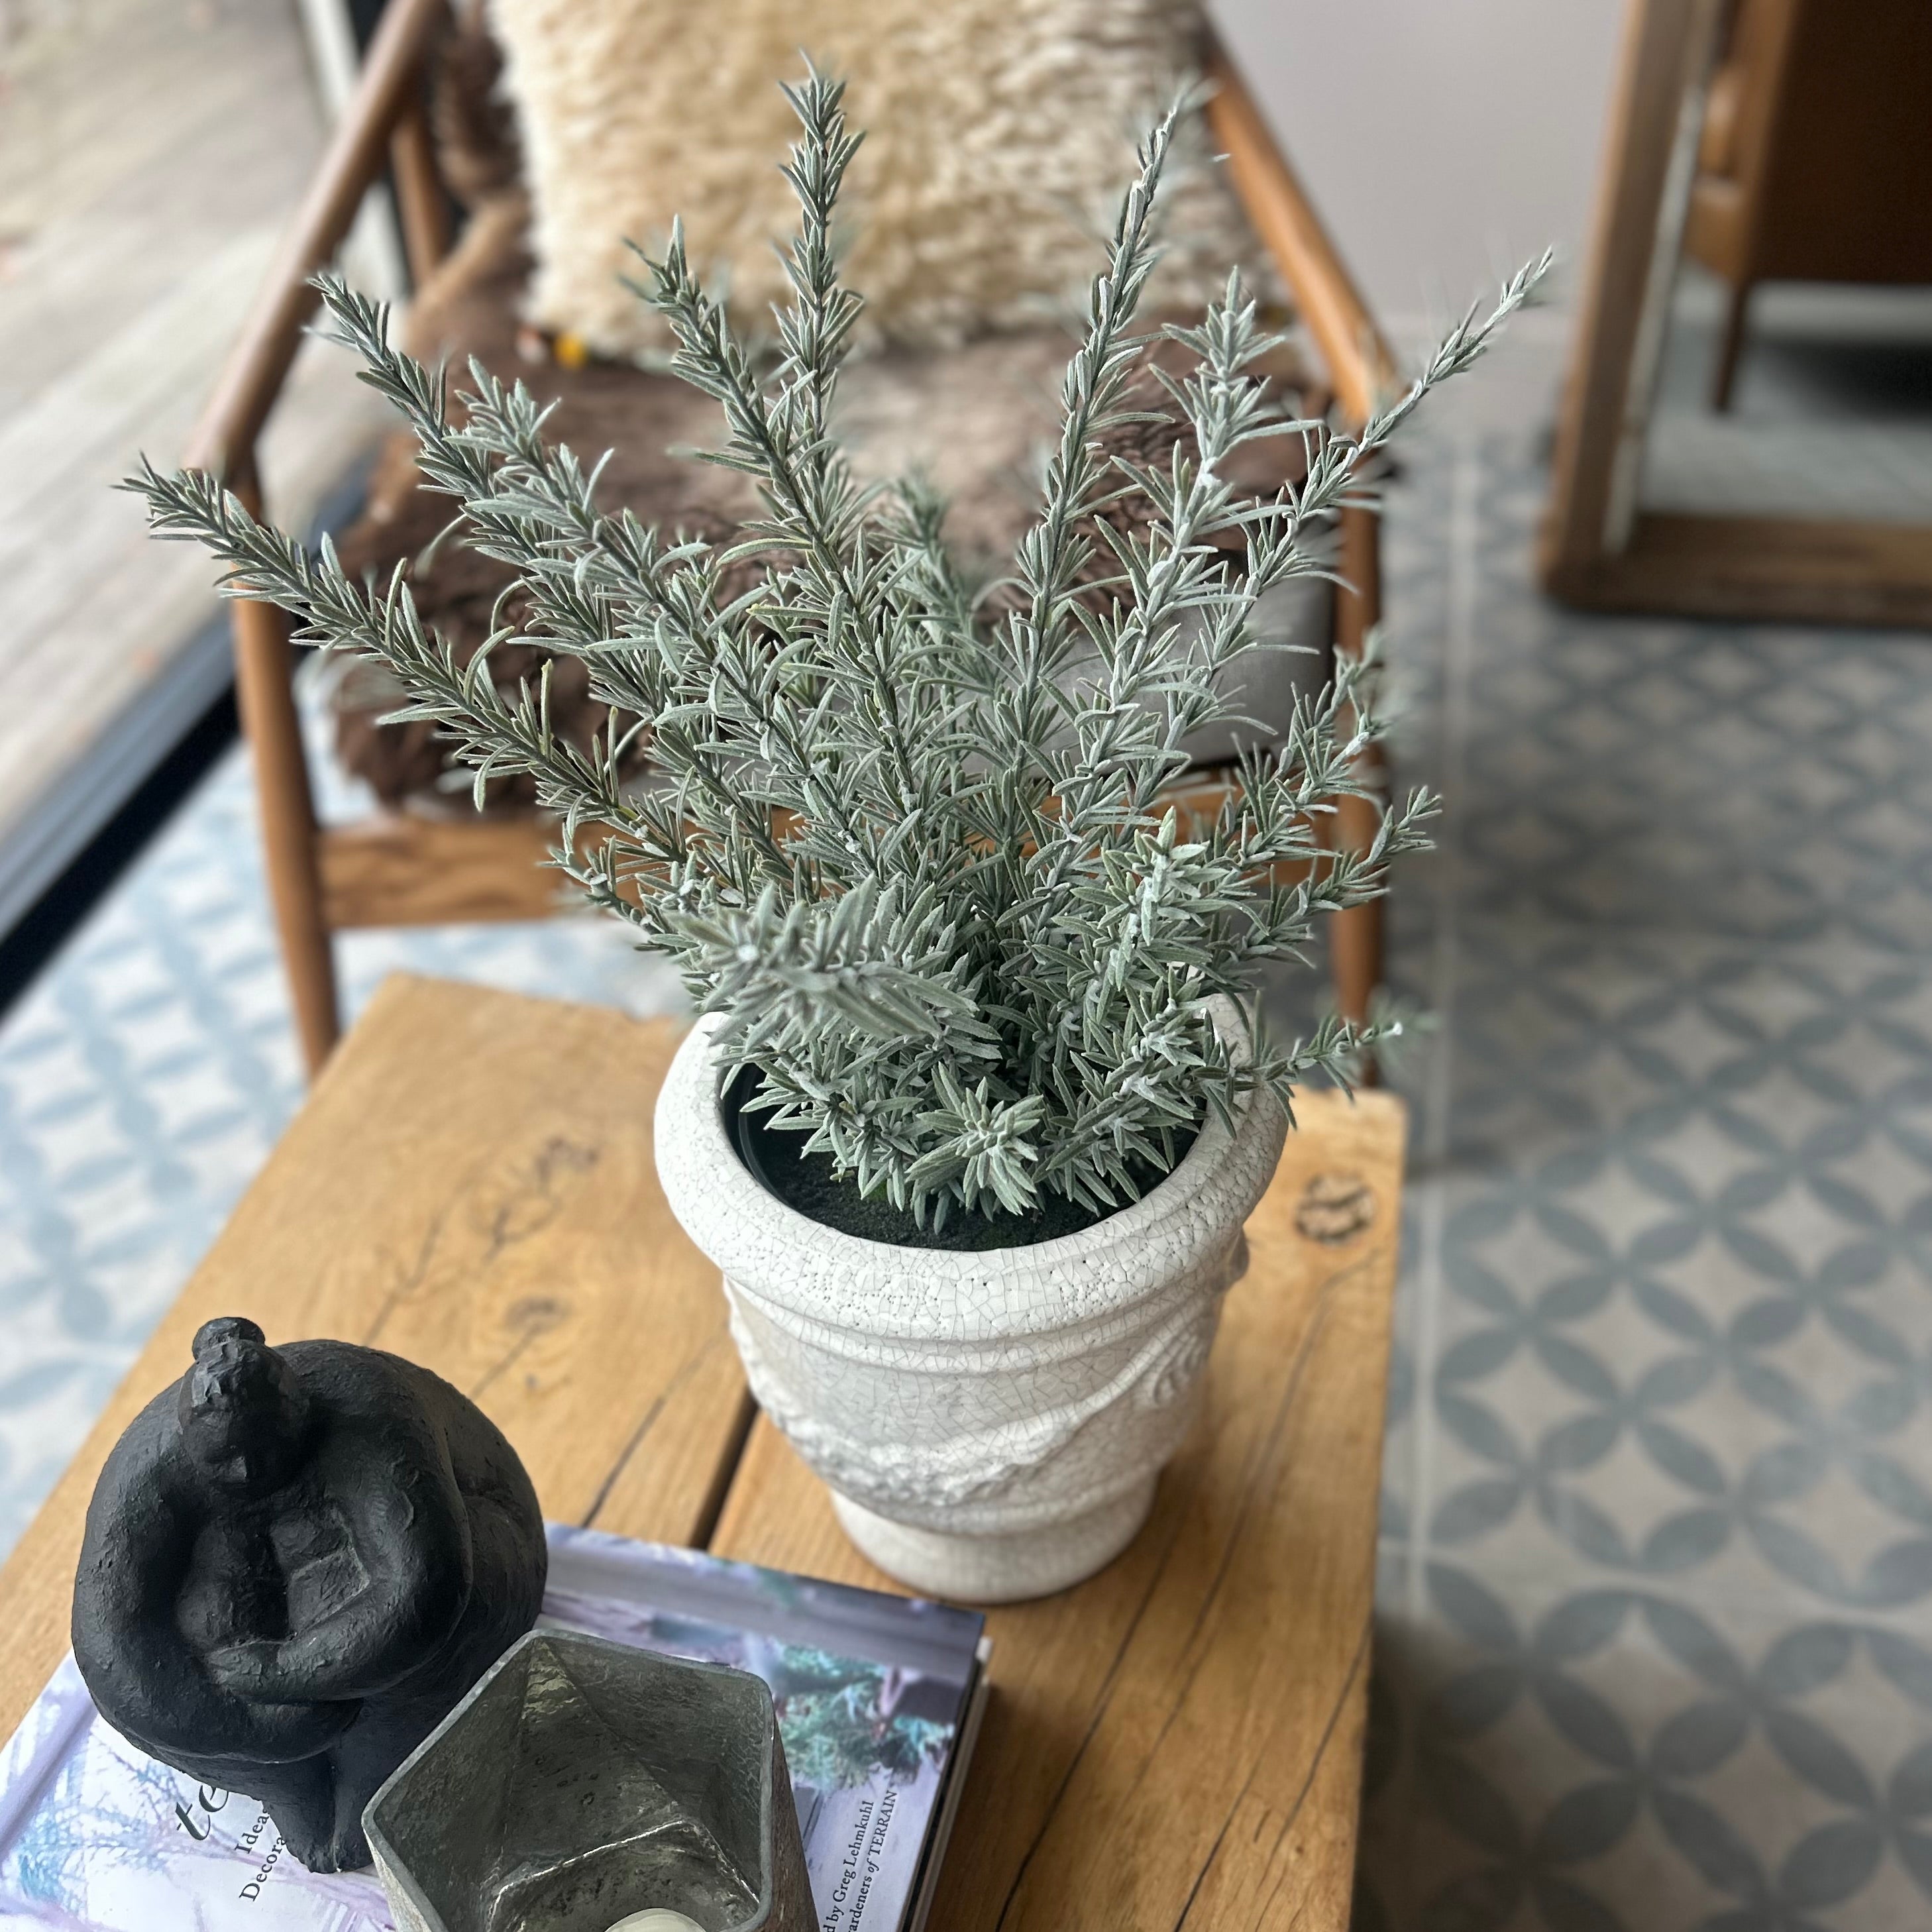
(243, 1414)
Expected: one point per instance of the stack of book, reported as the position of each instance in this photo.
(878, 1701)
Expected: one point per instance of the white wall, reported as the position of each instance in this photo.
(1443, 140)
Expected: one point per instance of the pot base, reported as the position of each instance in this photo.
(998, 1569)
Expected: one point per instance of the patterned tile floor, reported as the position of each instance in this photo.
(1654, 1639)
(1655, 1645)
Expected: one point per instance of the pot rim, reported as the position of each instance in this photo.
(770, 1251)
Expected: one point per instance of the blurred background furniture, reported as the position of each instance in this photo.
(1848, 540)
(420, 862)
(1815, 161)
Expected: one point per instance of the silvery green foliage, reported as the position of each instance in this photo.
(920, 860)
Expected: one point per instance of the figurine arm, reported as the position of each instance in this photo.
(399, 1497)
(149, 1682)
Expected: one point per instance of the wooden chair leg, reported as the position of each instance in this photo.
(264, 696)
(1730, 347)
(421, 201)
(1356, 936)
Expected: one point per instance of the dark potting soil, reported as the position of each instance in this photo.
(776, 1159)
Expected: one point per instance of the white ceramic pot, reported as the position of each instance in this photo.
(991, 1425)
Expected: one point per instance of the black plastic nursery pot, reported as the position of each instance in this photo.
(776, 1159)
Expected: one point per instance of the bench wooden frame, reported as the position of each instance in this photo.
(1176, 1742)
(399, 870)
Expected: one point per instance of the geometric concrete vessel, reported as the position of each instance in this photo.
(583, 1781)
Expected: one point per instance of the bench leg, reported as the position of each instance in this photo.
(1355, 936)
(264, 696)
(1730, 345)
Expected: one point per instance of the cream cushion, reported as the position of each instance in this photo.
(999, 134)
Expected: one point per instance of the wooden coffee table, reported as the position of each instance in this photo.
(1176, 1742)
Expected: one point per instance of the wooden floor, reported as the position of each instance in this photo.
(151, 152)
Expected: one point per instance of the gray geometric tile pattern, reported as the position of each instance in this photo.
(1654, 1605)
(1654, 1601)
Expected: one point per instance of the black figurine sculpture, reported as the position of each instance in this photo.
(297, 1560)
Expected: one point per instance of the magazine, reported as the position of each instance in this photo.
(877, 1698)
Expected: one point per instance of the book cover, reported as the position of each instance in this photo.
(871, 1691)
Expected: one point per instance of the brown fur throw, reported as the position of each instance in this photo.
(972, 419)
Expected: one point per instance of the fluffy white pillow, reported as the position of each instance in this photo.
(999, 135)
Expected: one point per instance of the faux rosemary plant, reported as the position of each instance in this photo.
(919, 859)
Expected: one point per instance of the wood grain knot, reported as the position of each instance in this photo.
(530, 1319)
(1334, 1208)
(537, 1314)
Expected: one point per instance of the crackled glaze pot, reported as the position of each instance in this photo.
(990, 1424)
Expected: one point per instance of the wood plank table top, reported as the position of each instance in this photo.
(1176, 1742)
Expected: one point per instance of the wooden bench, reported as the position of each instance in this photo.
(1176, 1742)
